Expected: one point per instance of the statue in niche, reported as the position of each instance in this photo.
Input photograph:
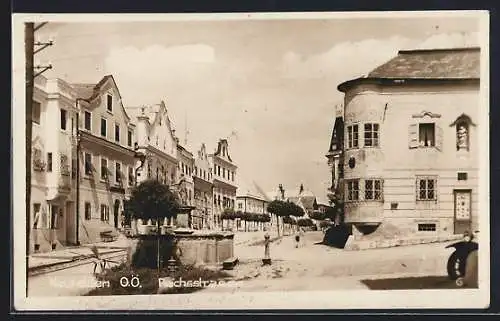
(462, 137)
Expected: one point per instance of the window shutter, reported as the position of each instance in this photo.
(439, 138)
(413, 136)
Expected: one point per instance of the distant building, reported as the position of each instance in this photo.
(203, 191)
(106, 156)
(185, 187)
(224, 173)
(411, 146)
(156, 141)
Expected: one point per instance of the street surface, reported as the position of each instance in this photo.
(312, 266)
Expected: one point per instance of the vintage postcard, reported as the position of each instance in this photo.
(251, 161)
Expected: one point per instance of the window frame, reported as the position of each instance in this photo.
(421, 126)
(89, 113)
(351, 192)
(105, 127)
(374, 189)
(37, 119)
(350, 136)
(63, 124)
(86, 172)
(118, 173)
(106, 176)
(426, 189)
(104, 213)
(109, 97)
(374, 137)
(89, 217)
(50, 162)
(129, 137)
(117, 127)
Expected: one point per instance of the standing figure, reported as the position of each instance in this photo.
(462, 138)
(267, 256)
(297, 238)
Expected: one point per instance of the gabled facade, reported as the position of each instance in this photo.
(203, 191)
(224, 173)
(106, 158)
(411, 145)
(157, 142)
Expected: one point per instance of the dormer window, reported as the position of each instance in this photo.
(109, 103)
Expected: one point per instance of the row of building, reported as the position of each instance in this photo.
(89, 151)
(404, 152)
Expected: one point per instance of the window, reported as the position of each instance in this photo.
(88, 164)
(118, 173)
(36, 112)
(49, 162)
(223, 172)
(426, 135)
(352, 190)
(104, 127)
(218, 170)
(104, 168)
(88, 211)
(352, 136)
(88, 120)
(54, 213)
(373, 189)
(109, 102)
(426, 189)
(36, 214)
(130, 176)
(371, 135)
(215, 200)
(427, 227)
(462, 176)
(104, 213)
(64, 118)
(232, 176)
(117, 133)
(129, 138)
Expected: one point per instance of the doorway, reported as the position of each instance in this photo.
(463, 206)
(70, 223)
(116, 212)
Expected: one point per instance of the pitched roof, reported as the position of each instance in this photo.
(462, 63)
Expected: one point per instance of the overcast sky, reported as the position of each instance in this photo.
(273, 82)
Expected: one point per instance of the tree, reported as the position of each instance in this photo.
(318, 215)
(153, 200)
(228, 214)
(276, 207)
(305, 222)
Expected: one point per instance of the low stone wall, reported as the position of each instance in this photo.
(205, 248)
(360, 244)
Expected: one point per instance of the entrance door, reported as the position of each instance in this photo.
(462, 211)
(70, 223)
(116, 212)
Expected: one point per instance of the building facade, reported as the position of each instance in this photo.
(185, 185)
(53, 217)
(224, 173)
(106, 157)
(203, 191)
(411, 145)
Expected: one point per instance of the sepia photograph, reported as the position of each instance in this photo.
(251, 161)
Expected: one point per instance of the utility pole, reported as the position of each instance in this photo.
(29, 43)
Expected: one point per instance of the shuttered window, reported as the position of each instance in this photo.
(425, 135)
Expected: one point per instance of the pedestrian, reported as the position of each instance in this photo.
(297, 239)
(301, 236)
